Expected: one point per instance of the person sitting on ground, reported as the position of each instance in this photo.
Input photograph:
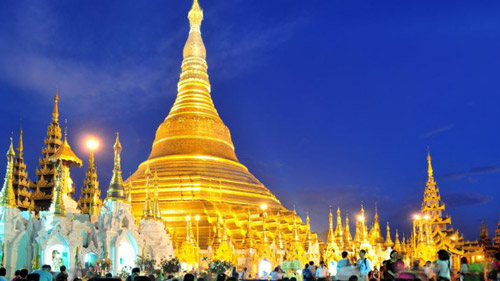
(45, 273)
(62, 275)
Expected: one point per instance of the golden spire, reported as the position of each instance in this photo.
(308, 234)
(280, 244)
(347, 232)
(7, 196)
(339, 233)
(147, 212)
(20, 147)
(189, 127)
(116, 191)
(430, 172)
(331, 236)
(248, 240)
(397, 243)
(388, 239)
(57, 206)
(55, 111)
(156, 204)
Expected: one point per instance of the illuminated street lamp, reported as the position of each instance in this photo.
(263, 207)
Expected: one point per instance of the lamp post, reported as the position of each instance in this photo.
(263, 207)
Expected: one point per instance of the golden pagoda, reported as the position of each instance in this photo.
(90, 201)
(47, 170)
(198, 171)
(21, 182)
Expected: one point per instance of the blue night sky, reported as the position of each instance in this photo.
(327, 101)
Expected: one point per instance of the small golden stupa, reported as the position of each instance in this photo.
(197, 168)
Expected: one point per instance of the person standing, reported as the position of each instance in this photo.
(306, 273)
(344, 268)
(364, 265)
(443, 266)
(312, 268)
(322, 271)
(62, 275)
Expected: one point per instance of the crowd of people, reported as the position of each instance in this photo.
(394, 269)
(346, 269)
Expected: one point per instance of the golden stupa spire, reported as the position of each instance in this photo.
(116, 190)
(308, 233)
(397, 243)
(331, 235)
(156, 204)
(280, 244)
(430, 172)
(347, 233)
(388, 240)
(20, 146)
(248, 242)
(57, 206)
(147, 213)
(7, 196)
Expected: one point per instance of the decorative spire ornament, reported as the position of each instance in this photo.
(116, 190)
(7, 196)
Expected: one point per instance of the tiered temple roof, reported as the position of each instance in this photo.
(21, 182)
(47, 170)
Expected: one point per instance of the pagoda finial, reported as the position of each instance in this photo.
(430, 172)
(20, 146)
(331, 235)
(195, 17)
(7, 196)
(55, 111)
(116, 191)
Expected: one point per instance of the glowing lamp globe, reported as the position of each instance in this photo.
(92, 144)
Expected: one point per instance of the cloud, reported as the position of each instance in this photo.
(437, 131)
(474, 171)
(461, 199)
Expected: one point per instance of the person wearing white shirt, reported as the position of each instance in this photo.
(365, 266)
(322, 271)
(443, 266)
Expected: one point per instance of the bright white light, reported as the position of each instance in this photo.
(417, 217)
(263, 206)
(197, 217)
(92, 144)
